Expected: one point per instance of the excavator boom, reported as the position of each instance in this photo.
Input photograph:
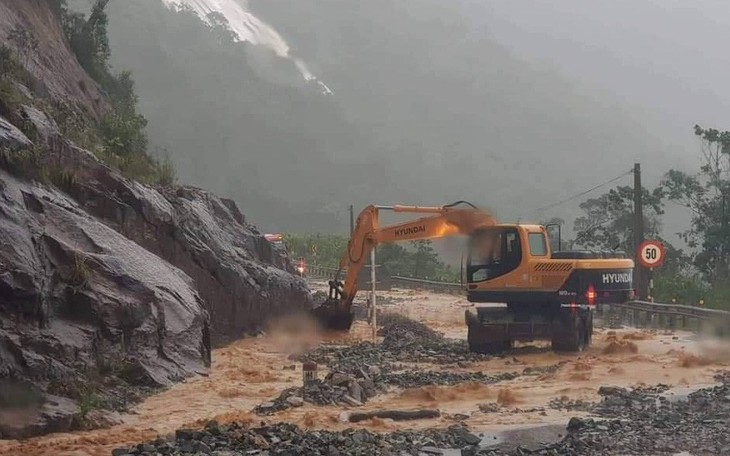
(441, 221)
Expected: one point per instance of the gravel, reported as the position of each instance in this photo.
(288, 439)
(641, 421)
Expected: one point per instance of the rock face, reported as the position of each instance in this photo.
(121, 283)
(11, 137)
(244, 281)
(56, 71)
(77, 296)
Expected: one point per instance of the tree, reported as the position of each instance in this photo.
(425, 259)
(607, 222)
(706, 196)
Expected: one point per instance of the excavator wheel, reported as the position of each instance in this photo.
(330, 316)
(573, 331)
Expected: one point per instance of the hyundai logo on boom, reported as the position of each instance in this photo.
(400, 232)
(623, 277)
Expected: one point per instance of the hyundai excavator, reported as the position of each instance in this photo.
(521, 289)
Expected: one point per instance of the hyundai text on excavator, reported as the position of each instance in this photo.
(533, 292)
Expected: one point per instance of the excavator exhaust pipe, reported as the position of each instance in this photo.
(330, 315)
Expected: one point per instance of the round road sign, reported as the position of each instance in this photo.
(651, 254)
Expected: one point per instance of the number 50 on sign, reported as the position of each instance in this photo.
(651, 254)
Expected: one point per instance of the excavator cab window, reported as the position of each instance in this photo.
(538, 246)
(493, 253)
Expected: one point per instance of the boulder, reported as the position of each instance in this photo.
(77, 296)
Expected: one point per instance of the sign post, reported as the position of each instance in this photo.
(651, 254)
(309, 376)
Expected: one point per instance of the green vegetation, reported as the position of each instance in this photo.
(418, 261)
(10, 70)
(82, 391)
(701, 273)
(119, 138)
(80, 271)
(121, 134)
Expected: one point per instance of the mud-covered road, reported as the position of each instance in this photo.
(547, 390)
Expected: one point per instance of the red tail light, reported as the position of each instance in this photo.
(591, 295)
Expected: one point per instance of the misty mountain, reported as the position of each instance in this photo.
(426, 108)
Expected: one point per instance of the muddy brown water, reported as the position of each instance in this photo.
(255, 370)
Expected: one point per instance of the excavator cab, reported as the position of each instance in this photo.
(493, 252)
(524, 291)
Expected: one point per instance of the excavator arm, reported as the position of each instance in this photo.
(441, 221)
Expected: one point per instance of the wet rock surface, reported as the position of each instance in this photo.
(86, 313)
(243, 280)
(110, 289)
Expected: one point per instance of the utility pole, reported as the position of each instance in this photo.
(639, 273)
(352, 220)
(722, 264)
(373, 299)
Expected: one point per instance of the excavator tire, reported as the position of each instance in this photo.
(573, 331)
(331, 317)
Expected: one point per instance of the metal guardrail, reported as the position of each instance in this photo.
(432, 285)
(326, 272)
(674, 316)
(322, 272)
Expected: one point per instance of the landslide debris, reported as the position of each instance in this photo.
(641, 421)
(288, 439)
(404, 341)
(361, 371)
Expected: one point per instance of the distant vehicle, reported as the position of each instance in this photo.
(301, 267)
(276, 239)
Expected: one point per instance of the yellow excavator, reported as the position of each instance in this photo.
(533, 293)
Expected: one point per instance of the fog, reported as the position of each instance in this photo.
(510, 105)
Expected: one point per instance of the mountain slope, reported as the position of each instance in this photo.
(426, 109)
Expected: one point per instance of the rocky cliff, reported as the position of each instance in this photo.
(109, 288)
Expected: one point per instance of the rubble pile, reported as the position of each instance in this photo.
(642, 421)
(415, 379)
(288, 439)
(404, 341)
(336, 389)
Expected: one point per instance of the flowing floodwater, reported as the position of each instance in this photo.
(255, 370)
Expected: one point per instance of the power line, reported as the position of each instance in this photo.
(585, 192)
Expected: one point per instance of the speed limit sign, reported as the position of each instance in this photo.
(651, 254)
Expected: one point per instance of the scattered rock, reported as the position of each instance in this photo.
(287, 439)
(295, 401)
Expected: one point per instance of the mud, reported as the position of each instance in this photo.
(251, 371)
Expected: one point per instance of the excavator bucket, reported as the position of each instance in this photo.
(334, 313)
(332, 316)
